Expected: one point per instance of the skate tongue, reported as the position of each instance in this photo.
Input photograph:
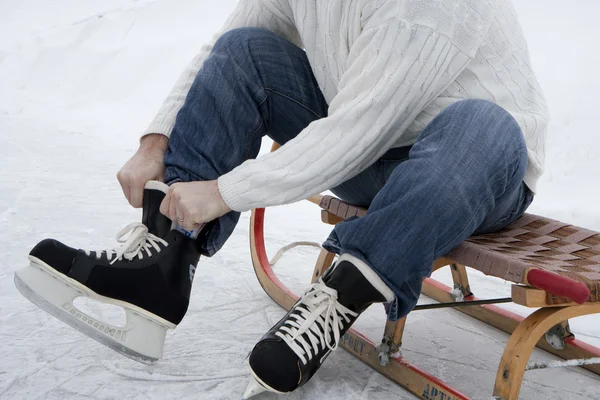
(157, 223)
(356, 283)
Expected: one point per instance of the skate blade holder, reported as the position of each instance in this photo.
(142, 336)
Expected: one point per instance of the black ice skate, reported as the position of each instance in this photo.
(294, 349)
(149, 276)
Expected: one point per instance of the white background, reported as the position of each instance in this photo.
(79, 81)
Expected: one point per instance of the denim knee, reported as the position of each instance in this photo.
(240, 38)
(483, 112)
(472, 106)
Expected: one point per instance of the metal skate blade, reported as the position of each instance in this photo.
(56, 312)
(254, 388)
(257, 386)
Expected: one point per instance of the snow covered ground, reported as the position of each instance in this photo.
(80, 79)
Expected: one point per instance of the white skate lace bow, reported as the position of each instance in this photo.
(136, 240)
(318, 316)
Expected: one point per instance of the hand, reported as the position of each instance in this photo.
(191, 204)
(145, 165)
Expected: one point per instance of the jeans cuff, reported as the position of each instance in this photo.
(333, 245)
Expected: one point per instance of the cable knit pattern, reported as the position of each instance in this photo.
(386, 68)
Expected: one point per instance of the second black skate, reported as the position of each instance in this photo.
(294, 349)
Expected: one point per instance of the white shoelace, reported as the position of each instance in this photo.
(320, 317)
(136, 239)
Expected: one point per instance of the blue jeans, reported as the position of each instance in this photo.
(464, 175)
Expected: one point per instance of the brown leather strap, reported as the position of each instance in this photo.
(340, 208)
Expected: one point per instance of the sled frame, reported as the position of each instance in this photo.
(526, 333)
(547, 328)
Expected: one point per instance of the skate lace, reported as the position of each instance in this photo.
(136, 240)
(317, 322)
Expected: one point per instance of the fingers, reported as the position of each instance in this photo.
(190, 217)
(124, 186)
(191, 204)
(136, 192)
(133, 187)
(173, 205)
(182, 212)
(137, 171)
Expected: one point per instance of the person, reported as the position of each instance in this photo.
(425, 111)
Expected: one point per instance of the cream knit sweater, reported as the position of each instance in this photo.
(386, 69)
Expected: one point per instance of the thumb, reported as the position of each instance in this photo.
(125, 188)
(165, 205)
(136, 194)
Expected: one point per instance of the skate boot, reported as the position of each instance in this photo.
(149, 276)
(294, 349)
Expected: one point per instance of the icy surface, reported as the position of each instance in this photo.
(80, 79)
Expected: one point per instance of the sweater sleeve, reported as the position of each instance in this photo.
(394, 70)
(274, 15)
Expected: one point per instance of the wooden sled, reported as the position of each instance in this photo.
(554, 266)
